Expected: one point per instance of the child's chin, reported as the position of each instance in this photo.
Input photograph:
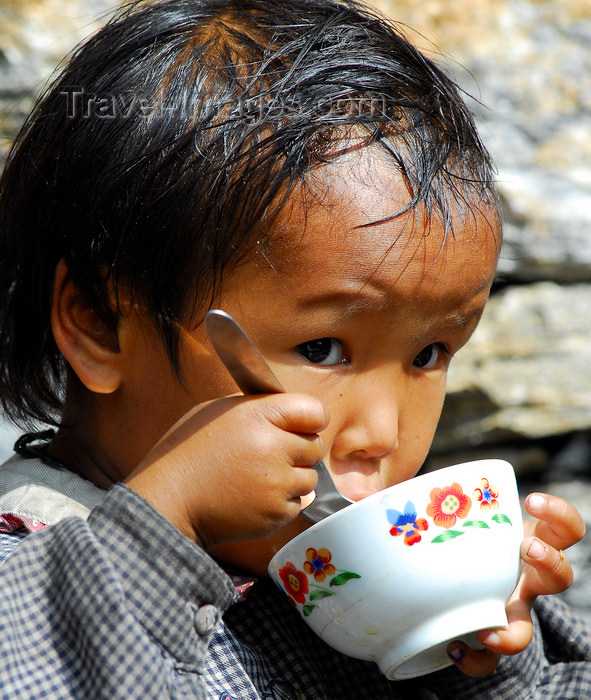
(252, 557)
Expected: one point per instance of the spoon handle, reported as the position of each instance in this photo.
(241, 357)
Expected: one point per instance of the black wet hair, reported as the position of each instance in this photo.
(166, 145)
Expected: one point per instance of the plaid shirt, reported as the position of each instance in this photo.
(123, 606)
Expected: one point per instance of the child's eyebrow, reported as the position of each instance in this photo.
(456, 322)
(350, 301)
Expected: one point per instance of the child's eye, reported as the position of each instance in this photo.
(322, 351)
(428, 356)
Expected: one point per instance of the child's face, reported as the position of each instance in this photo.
(365, 318)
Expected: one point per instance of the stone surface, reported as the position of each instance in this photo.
(525, 373)
(529, 62)
(35, 35)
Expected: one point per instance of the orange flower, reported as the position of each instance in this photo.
(487, 495)
(295, 582)
(317, 563)
(447, 504)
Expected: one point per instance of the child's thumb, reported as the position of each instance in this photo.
(296, 413)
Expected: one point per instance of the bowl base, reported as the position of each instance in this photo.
(416, 656)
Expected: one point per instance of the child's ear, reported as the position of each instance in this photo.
(83, 338)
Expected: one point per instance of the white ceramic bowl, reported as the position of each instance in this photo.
(397, 576)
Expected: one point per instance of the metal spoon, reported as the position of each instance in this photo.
(254, 376)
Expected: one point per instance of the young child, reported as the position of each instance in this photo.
(301, 166)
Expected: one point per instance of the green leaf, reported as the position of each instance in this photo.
(319, 594)
(343, 577)
(447, 535)
(501, 518)
(476, 523)
(307, 609)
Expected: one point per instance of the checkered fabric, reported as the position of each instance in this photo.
(123, 606)
(108, 608)
(263, 644)
(9, 542)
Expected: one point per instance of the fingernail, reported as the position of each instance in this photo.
(536, 501)
(536, 550)
(456, 653)
(491, 638)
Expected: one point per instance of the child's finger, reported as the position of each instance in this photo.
(296, 413)
(516, 636)
(304, 483)
(310, 451)
(508, 641)
(558, 521)
(470, 661)
(548, 572)
(299, 449)
(549, 569)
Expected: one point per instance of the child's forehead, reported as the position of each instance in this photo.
(335, 245)
(363, 196)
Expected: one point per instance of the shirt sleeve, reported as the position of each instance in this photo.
(119, 606)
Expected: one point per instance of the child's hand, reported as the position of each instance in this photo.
(235, 468)
(545, 570)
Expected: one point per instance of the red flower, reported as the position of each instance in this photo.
(295, 582)
(317, 563)
(447, 504)
(487, 495)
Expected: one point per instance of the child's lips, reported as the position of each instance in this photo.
(357, 485)
(357, 478)
(360, 495)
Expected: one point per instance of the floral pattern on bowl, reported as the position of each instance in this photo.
(382, 580)
(448, 504)
(446, 507)
(487, 495)
(318, 567)
(406, 523)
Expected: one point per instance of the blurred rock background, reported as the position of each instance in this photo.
(522, 387)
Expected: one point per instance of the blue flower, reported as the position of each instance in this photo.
(406, 523)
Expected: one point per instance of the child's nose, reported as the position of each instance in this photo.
(370, 420)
